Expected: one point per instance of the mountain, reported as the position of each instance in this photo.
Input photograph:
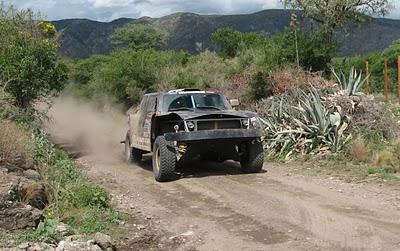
(82, 38)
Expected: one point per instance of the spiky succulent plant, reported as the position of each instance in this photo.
(308, 126)
(352, 85)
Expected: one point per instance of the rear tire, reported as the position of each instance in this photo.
(164, 160)
(132, 155)
(253, 160)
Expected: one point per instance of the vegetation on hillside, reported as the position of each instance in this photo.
(32, 72)
(82, 38)
(139, 36)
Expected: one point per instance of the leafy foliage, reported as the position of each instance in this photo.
(28, 57)
(335, 14)
(74, 200)
(229, 41)
(139, 36)
(315, 53)
(260, 86)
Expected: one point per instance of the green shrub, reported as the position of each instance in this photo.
(73, 199)
(184, 80)
(229, 42)
(44, 232)
(83, 70)
(260, 86)
(315, 53)
(124, 75)
(139, 36)
(29, 63)
(89, 195)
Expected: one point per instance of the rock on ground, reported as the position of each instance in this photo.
(32, 247)
(77, 246)
(104, 241)
(31, 174)
(62, 229)
(14, 214)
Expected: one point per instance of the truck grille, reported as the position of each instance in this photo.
(219, 124)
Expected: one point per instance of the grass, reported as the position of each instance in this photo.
(84, 206)
(358, 150)
(364, 172)
(45, 232)
(74, 200)
(18, 153)
(368, 157)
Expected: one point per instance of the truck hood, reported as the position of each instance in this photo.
(207, 114)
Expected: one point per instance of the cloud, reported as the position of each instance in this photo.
(106, 10)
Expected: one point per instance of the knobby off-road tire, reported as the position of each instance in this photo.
(253, 160)
(164, 160)
(132, 155)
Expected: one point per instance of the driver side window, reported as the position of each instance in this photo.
(151, 104)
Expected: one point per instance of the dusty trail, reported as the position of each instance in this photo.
(215, 207)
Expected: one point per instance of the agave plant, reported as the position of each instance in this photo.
(307, 127)
(353, 84)
(314, 120)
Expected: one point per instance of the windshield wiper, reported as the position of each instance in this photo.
(209, 107)
(180, 109)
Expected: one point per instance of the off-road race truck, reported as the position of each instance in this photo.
(186, 124)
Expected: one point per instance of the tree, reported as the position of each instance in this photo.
(29, 63)
(229, 41)
(333, 14)
(139, 36)
(314, 53)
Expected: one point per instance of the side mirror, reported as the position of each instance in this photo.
(234, 102)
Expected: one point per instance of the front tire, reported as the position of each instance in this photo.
(253, 159)
(164, 160)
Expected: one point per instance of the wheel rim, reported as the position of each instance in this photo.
(157, 160)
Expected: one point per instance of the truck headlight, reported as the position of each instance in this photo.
(245, 123)
(190, 125)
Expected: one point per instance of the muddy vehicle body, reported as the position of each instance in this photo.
(185, 124)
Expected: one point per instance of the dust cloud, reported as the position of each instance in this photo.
(88, 128)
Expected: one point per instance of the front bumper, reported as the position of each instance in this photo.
(217, 134)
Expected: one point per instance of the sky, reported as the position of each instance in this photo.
(107, 10)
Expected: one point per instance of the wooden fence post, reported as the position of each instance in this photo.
(386, 80)
(367, 77)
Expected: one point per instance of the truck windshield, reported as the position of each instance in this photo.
(191, 101)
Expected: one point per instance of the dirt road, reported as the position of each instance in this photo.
(215, 207)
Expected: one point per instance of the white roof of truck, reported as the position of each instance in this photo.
(182, 91)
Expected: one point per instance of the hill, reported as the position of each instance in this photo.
(82, 38)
